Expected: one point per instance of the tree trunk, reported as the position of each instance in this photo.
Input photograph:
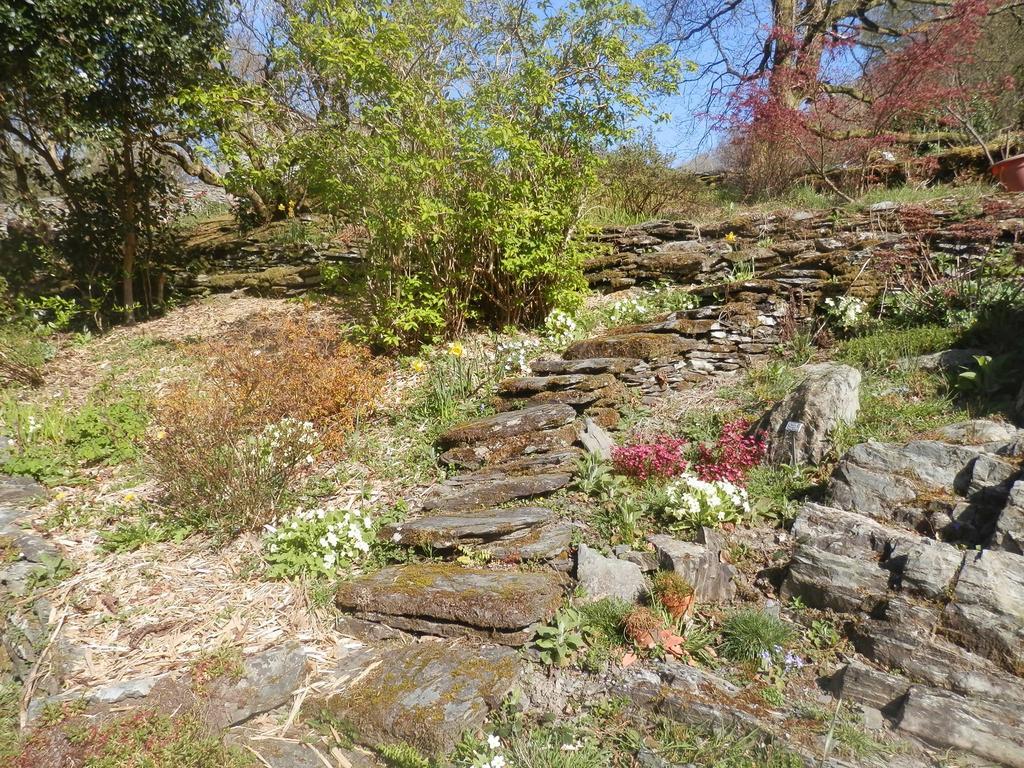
(130, 244)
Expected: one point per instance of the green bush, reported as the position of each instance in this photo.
(749, 633)
(889, 345)
(472, 179)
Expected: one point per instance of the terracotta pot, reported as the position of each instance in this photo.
(1010, 173)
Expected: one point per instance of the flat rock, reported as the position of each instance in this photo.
(924, 567)
(645, 346)
(947, 361)
(466, 601)
(520, 533)
(531, 385)
(596, 440)
(19, 490)
(427, 694)
(267, 681)
(987, 609)
(591, 365)
(528, 478)
(798, 428)
(602, 577)
(701, 567)
(508, 424)
(992, 435)
(501, 449)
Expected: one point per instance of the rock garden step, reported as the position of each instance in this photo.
(524, 478)
(426, 694)
(615, 365)
(502, 426)
(642, 345)
(448, 600)
(519, 533)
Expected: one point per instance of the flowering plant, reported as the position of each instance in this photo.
(661, 458)
(847, 312)
(560, 327)
(486, 755)
(628, 310)
(319, 541)
(513, 357)
(691, 502)
(732, 456)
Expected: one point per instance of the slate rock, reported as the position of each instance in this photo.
(843, 532)
(427, 694)
(591, 365)
(829, 580)
(866, 685)
(19, 490)
(991, 435)
(986, 613)
(798, 429)
(448, 599)
(947, 720)
(1009, 532)
(702, 568)
(501, 449)
(645, 346)
(595, 440)
(508, 424)
(267, 681)
(528, 477)
(947, 361)
(600, 577)
(924, 566)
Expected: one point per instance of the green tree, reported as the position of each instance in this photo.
(465, 135)
(87, 88)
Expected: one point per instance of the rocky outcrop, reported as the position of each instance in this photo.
(797, 430)
(600, 577)
(943, 624)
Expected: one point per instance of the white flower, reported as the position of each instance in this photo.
(497, 762)
(494, 741)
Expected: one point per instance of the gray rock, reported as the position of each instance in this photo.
(446, 598)
(926, 658)
(798, 428)
(524, 479)
(925, 567)
(614, 365)
(866, 685)
(984, 432)
(702, 568)
(981, 728)
(602, 577)
(830, 580)
(19, 490)
(268, 681)
(648, 561)
(842, 532)
(947, 361)
(987, 610)
(1009, 532)
(426, 694)
(508, 424)
(595, 440)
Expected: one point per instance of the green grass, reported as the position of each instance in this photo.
(10, 700)
(683, 745)
(748, 633)
(887, 346)
(775, 491)
(966, 193)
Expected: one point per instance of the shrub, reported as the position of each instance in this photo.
(690, 503)
(220, 473)
(732, 456)
(663, 457)
(748, 634)
(302, 370)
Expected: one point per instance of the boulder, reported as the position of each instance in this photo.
(600, 577)
(449, 600)
(700, 566)
(947, 361)
(798, 428)
(426, 694)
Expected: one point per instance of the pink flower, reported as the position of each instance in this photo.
(735, 453)
(661, 458)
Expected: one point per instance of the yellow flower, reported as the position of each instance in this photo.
(455, 349)
(161, 434)
(129, 496)
(280, 206)
(61, 495)
(418, 365)
(731, 237)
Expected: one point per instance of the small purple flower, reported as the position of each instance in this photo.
(766, 657)
(793, 661)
